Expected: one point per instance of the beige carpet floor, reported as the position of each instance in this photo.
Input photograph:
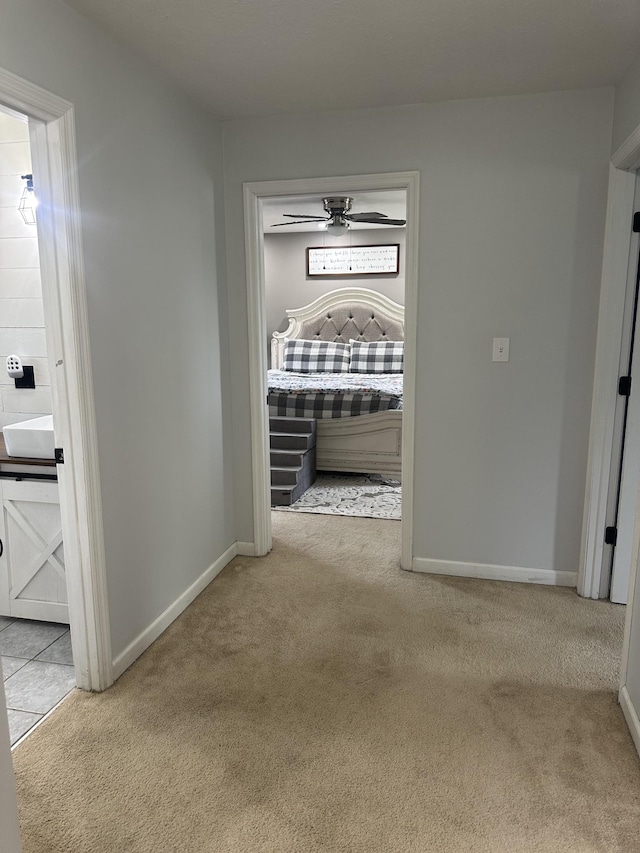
(321, 699)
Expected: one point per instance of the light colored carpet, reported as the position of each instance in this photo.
(359, 495)
(321, 699)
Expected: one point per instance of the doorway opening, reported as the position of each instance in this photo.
(335, 414)
(35, 642)
(51, 136)
(261, 199)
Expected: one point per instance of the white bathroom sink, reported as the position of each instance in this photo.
(31, 439)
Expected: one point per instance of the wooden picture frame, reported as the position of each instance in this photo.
(362, 260)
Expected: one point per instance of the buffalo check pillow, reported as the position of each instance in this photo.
(377, 357)
(316, 357)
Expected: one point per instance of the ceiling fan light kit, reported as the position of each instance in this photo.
(338, 218)
(336, 228)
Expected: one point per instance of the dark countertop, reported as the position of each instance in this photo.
(5, 459)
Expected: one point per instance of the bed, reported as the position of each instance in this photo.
(359, 417)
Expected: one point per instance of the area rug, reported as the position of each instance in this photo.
(322, 700)
(364, 495)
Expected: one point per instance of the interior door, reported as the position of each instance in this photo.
(625, 488)
(630, 668)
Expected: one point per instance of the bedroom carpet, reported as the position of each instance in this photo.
(360, 495)
(321, 699)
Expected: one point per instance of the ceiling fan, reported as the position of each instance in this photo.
(338, 217)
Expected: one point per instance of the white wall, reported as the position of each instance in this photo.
(153, 235)
(21, 316)
(286, 282)
(626, 116)
(8, 802)
(513, 194)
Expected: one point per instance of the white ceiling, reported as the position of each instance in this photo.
(263, 57)
(391, 202)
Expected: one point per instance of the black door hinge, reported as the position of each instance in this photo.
(636, 223)
(624, 386)
(59, 455)
(610, 535)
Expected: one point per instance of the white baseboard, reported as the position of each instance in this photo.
(153, 631)
(495, 573)
(630, 716)
(246, 549)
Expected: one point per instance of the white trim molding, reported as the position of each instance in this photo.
(8, 799)
(151, 633)
(254, 193)
(256, 318)
(630, 716)
(627, 157)
(246, 549)
(412, 185)
(615, 266)
(628, 709)
(485, 571)
(629, 655)
(55, 166)
(629, 613)
(592, 575)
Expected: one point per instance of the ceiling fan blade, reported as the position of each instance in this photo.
(298, 222)
(355, 217)
(304, 216)
(377, 220)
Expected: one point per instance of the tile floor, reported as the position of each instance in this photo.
(37, 669)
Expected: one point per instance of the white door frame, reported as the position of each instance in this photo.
(615, 269)
(628, 709)
(8, 799)
(254, 193)
(55, 167)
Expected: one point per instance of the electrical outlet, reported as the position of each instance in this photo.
(27, 380)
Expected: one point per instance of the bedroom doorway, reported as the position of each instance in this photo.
(335, 425)
(285, 259)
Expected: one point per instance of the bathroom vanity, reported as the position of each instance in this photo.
(32, 570)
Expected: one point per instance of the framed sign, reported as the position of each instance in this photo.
(329, 261)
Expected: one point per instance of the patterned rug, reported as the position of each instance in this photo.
(364, 495)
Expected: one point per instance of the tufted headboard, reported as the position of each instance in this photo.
(348, 313)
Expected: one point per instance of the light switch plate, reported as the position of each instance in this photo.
(501, 349)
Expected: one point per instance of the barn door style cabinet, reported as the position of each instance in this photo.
(32, 571)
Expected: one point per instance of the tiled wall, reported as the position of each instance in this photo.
(21, 314)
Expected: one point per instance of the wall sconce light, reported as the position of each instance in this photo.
(28, 201)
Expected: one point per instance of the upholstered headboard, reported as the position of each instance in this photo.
(341, 315)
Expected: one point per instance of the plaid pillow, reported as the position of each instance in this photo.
(377, 357)
(315, 357)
